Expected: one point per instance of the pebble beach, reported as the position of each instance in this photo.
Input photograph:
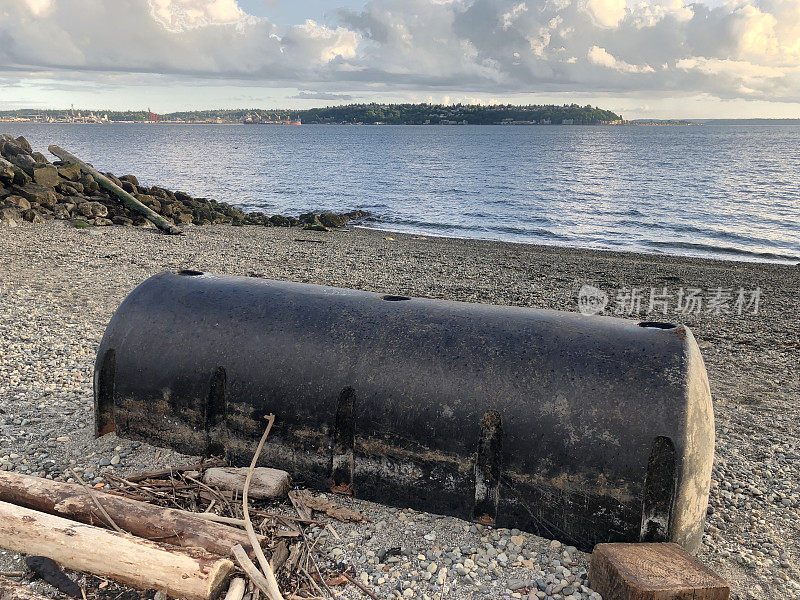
(59, 286)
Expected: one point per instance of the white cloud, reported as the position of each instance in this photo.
(606, 13)
(740, 49)
(647, 14)
(745, 70)
(513, 14)
(39, 8)
(599, 56)
(330, 43)
(179, 15)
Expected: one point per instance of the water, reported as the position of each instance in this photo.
(724, 191)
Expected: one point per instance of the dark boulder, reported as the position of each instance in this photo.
(124, 221)
(17, 202)
(70, 172)
(159, 193)
(46, 175)
(24, 162)
(33, 217)
(37, 193)
(10, 216)
(24, 145)
(114, 179)
(40, 158)
(332, 220)
(89, 184)
(67, 190)
(308, 218)
(183, 197)
(62, 211)
(149, 202)
(279, 221)
(315, 226)
(9, 147)
(354, 215)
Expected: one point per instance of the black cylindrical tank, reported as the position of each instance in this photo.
(585, 429)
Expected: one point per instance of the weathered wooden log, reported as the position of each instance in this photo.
(266, 483)
(145, 520)
(11, 590)
(193, 574)
(127, 199)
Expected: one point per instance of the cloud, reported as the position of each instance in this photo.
(321, 96)
(179, 15)
(739, 49)
(599, 56)
(606, 13)
(39, 8)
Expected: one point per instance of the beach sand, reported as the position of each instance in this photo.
(60, 285)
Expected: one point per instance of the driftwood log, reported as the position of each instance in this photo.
(193, 574)
(124, 197)
(265, 482)
(11, 590)
(145, 520)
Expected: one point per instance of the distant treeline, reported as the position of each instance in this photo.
(419, 114)
(394, 114)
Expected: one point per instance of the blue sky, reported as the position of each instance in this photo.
(283, 12)
(648, 58)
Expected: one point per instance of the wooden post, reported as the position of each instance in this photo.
(128, 200)
(145, 520)
(193, 574)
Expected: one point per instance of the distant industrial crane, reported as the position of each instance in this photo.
(154, 118)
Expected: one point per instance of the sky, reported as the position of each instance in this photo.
(640, 58)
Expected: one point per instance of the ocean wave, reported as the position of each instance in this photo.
(726, 250)
(703, 231)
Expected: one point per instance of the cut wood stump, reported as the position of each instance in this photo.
(652, 572)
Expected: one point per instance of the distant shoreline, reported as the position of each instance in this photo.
(155, 123)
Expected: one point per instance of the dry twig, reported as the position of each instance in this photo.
(236, 589)
(254, 574)
(96, 501)
(273, 592)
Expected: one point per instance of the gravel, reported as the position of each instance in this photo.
(59, 286)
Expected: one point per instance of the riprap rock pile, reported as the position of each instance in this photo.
(34, 189)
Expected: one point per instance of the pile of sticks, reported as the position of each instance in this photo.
(169, 531)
